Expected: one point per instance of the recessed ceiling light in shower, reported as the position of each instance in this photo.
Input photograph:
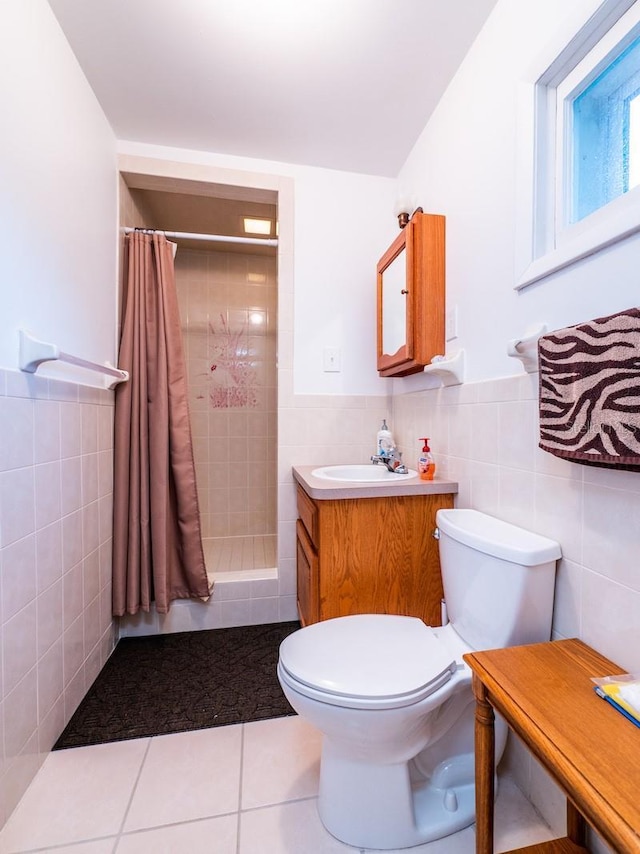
(257, 226)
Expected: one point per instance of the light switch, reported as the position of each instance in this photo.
(331, 359)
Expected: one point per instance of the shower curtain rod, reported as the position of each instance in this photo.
(214, 238)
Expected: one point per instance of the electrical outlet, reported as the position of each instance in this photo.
(331, 360)
(451, 323)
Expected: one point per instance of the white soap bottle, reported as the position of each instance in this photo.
(385, 440)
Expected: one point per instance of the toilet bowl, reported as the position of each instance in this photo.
(392, 696)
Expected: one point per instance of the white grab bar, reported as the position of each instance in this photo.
(33, 353)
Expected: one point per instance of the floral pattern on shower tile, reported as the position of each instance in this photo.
(233, 376)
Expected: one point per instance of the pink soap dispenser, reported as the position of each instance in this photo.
(426, 464)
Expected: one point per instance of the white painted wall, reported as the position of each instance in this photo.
(58, 199)
(343, 222)
(465, 165)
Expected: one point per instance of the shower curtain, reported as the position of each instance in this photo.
(157, 541)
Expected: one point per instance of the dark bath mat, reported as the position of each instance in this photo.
(184, 681)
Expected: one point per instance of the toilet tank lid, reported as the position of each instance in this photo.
(497, 538)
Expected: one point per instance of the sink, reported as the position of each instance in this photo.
(362, 474)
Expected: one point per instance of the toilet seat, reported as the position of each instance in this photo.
(366, 661)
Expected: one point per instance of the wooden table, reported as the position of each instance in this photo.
(545, 694)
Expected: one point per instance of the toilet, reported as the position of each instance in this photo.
(392, 696)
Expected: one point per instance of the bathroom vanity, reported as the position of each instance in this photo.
(368, 547)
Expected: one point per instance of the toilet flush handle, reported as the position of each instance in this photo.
(436, 534)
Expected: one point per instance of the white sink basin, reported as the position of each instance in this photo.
(362, 474)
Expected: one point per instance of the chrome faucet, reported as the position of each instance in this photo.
(392, 460)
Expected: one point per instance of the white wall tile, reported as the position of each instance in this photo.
(593, 513)
(46, 431)
(50, 682)
(17, 504)
(559, 513)
(19, 646)
(47, 493)
(517, 503)
(18, 576)
(517, 434)
(50, 621)
(612, 533)
(568, 600)
(16, 429)
(42, 675)
(71, 540)
(611, 620)
(20, 714)
(71, 484)
(71, 430)
(49, 555)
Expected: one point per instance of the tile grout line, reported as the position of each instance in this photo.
(132, 795)
(240, 783)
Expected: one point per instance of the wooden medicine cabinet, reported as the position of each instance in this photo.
(411, 297)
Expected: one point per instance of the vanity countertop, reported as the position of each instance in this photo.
(330, 490)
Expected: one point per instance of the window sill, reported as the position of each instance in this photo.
(614, 223)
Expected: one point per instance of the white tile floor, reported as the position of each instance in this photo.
(242, 789)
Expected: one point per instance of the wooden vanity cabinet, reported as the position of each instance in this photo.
(369, 556)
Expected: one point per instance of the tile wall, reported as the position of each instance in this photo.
(228, 305)
(485, 436)
(312, 430)
(56, 462)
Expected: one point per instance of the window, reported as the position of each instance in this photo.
(603, 135)
(585, 143)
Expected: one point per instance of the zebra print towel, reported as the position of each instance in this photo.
(590, 391)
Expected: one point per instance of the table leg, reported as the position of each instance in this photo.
(576, 825)
(485, 768)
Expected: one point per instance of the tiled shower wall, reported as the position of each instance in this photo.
(228, 307)
(56, 462)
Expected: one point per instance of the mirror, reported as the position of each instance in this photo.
(394, 308)
(411, 297)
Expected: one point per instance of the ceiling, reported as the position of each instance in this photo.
(340, 84)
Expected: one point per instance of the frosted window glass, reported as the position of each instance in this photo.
(634, 142)
(605, 136)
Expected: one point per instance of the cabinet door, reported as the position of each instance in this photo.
(411, 292)
(379, 557)
(307, 577)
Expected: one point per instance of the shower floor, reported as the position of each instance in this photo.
(239, 554)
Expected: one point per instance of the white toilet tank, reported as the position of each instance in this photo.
(498, 579)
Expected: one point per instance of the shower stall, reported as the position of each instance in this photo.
(228, 308)
(227, 290)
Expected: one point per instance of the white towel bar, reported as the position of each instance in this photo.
(33, 353)
(526, 348)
